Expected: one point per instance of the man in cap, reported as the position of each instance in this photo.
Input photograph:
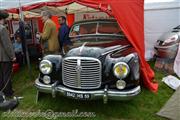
(7, 56)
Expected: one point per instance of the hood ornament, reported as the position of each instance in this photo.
(81, 48)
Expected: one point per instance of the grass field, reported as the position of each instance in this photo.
(143, 107)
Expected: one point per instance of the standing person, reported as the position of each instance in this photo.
(49, 37)
(18, 50)
(63, 35)
(7, 56)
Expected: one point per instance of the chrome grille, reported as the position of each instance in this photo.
(81, 72)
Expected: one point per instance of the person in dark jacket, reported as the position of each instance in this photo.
(18, 50)
(7, 56)
(63, 35)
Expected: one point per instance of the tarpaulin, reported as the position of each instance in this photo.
(130, 17)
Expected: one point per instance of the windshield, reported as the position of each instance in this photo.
(95, 28)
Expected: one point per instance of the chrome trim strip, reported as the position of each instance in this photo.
(96, 34)
(78, 71)
(81, 48)
(119, 47)
(166, 47)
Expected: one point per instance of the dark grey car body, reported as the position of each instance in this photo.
(86, 70)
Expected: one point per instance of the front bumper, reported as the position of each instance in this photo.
(95, 94)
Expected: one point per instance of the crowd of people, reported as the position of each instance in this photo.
(52, 42)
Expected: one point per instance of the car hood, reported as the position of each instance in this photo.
(95, 52)
(169, 34)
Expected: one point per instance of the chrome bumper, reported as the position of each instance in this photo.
(95, 94)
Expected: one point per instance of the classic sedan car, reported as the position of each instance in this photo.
(167, 45)
(101, 64)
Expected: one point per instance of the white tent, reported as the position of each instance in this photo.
(72, 8)
(59, 11)
(160, 16)
(6, 4)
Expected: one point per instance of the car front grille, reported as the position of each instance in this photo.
(81, 72)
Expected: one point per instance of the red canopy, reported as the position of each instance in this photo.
(130, 17)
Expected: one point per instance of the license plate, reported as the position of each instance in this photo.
(77, 95)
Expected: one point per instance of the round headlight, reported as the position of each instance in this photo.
(121, 70)
(120, 84)
(46, 79)
(45, 66)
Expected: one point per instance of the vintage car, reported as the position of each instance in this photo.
(101, 64)
(167, 45)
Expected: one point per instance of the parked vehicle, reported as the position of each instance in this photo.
(167, 45)
(101, 64)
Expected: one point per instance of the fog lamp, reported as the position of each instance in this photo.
(46, 79)
(120, 84)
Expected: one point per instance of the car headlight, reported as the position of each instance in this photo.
(121, 70)
(46, 79)
(45, 66)
(171, 39)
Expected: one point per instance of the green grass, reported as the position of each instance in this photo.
(143, 107)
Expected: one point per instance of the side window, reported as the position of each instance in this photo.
(83, 29)
(74, 31)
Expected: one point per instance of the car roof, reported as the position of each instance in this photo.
(96, 20)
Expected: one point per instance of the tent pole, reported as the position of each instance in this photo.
(24, 44)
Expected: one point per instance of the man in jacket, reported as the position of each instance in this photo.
(7, 56)
(63, 35)
(49, 37)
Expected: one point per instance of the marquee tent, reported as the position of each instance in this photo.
(130, 17)
(57, 11)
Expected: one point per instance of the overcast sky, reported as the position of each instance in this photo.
(5, 4)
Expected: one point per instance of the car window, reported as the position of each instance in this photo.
(83, 29)
(93, 28)
(88, 28)
(109, 28)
